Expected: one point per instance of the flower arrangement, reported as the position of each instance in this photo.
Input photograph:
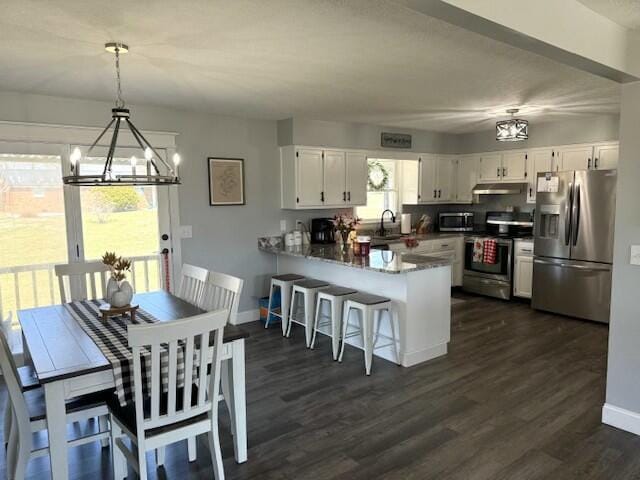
(117, 265)
(345, 224)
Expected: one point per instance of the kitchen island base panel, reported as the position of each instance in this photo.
(422, 298)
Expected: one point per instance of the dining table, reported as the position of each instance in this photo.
(68, 363)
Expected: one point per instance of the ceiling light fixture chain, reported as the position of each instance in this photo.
(119, 100)
(158, 171)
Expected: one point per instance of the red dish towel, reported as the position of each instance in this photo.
(490, 250)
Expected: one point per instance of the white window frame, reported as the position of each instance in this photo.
(33, 137)
(369, 222)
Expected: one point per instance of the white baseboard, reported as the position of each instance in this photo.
(247, 316)
(621, 418)
(410, 359)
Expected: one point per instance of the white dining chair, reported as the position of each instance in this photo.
(192, 283)
(87, 273)
(166, 417)
(29, 416)
(222, 291)
(90, 276)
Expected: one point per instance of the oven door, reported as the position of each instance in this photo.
(501, 270)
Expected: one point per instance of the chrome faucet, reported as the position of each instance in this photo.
(383, 231)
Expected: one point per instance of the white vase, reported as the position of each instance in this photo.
(123, 295)
(112, 287)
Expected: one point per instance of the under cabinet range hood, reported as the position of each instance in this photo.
(498, 188)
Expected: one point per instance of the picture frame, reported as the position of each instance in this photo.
(226, 181)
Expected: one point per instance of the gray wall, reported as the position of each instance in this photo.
(300, 131)
(548, 134)
(623, 387)
(224, 238)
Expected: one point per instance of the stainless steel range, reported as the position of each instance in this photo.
(492, 275)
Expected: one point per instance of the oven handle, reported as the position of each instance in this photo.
(498, 241)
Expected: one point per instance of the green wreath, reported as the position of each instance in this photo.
(378, 176)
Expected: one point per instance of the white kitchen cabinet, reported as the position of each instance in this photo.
(490, 168)
(357, 174)
(410, 186)
(428, 192)
(309, 177)
(449, 247)
(514, 167)
(605, 156)
(335, 178)
(574, 157)
(523, 269)
(319, 178)
(466, 178)
(539, 160)
(445, 179)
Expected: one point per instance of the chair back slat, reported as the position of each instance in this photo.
(188, 373)
(192, 283)
(202, 381)
(167, 341)
(16, 397)
(173, 383)
(155, 386)
(85, 273)
(222, 291)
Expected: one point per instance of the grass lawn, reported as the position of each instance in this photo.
(37, 240)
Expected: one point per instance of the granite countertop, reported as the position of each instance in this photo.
(424, 236)
(384, 261)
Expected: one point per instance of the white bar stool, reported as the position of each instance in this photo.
(285, 283)
(370, 308)
(336, 297)
(308, 288)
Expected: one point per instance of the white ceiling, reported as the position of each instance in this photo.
(348, 60)
(623, 12)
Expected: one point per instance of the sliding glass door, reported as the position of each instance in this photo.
(44, 223)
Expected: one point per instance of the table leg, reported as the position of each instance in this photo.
(57, 427)
(236, 367)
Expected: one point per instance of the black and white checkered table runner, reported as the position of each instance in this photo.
(111, 338)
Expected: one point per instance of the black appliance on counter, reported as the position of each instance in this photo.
(495, 279)
(322, 230)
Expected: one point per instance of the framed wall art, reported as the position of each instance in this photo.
(226, 181)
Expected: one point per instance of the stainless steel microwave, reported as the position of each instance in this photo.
(455, 222)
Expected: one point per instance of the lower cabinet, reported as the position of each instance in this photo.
(449, 247)
(523, 269)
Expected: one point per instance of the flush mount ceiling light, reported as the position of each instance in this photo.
(157, 172)
(512, 130)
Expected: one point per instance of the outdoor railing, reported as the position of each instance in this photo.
(28, 286)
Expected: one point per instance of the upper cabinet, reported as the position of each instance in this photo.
(514, 167)
(605, 156)
(587, 157)
(503, 167)
(319, 178)
(432, 179)
(539, 160)
(490, 168)
(466, 177)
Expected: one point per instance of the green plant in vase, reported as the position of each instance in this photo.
(119, 291)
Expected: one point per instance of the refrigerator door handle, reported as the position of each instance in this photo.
(576, 214)
(569, 265)
(567, 216)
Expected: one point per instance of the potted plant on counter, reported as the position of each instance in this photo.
(119, 291)
(344, 225)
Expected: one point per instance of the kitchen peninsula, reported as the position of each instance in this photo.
(419, 284)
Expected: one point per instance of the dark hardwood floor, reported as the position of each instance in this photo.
(519, 396)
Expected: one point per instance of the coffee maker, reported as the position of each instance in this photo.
(322, 230)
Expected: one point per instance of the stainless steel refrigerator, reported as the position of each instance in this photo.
(573, 248)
